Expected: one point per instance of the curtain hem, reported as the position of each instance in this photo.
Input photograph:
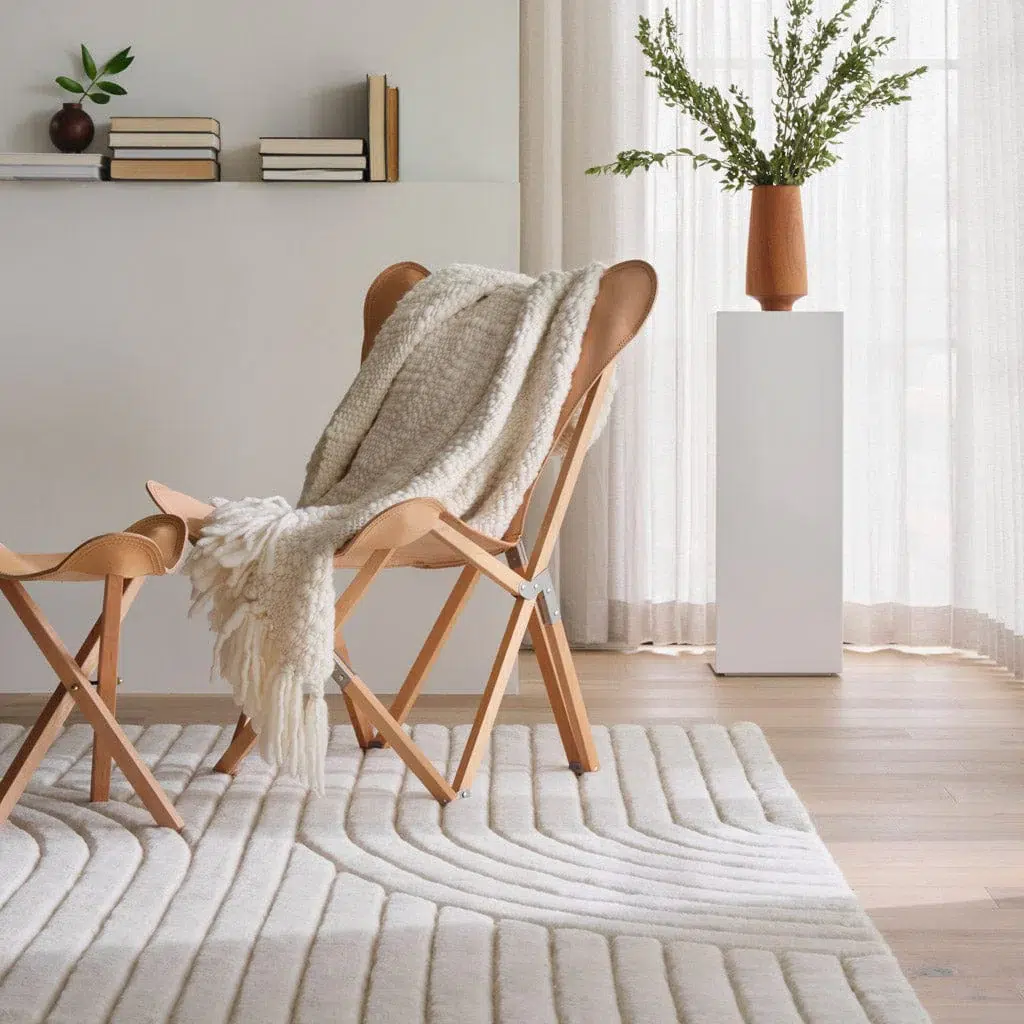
(879, 625)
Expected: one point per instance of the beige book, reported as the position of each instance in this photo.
(164, 140)
(164, 170)
(310, 147)
(165, 124)
(376, 88)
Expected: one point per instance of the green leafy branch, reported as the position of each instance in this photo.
(100, 88)
(808, 124)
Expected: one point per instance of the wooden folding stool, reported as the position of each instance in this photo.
(121, 561)
(422, 534)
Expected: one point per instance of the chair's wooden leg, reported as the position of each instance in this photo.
(110, 641)
(410, 691)
(547, 663)
(508, 651)
(419, 764)
(579, 722)
(34, 749)
(554, 684)
(242, 741)
(360, 726)
(96, 713)
(353, 593)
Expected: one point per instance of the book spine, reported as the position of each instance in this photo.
(391, 126)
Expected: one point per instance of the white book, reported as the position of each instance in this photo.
(52, 159)
(133, 153)
(310, 147)
(376, 90)
(312, 174)
(314, 162)
(47, 172)
(164, 140)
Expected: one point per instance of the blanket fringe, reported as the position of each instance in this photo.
(238, 547)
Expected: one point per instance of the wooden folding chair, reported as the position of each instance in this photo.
(122, 561)
(421, 533)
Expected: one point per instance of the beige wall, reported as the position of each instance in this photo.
(202, 334)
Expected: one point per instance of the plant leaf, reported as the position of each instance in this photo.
(119, 62)
(69, 83)
(88, 64)
(113, 88)
(99, 97)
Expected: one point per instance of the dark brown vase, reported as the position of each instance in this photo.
(71, 129)
(776, 257)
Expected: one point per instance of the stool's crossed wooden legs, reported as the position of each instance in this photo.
(75, 688)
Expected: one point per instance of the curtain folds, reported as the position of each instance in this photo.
(934, 488)
(989, 479)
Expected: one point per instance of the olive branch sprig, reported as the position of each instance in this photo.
(809, 124)
(99, 89)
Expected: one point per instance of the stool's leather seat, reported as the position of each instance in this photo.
(150, 547)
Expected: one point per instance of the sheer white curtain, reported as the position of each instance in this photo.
(988, 427)
(934, 542)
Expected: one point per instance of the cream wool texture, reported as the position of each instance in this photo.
(458, 401)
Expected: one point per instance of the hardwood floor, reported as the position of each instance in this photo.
(912, 767)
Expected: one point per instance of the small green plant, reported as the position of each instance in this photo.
(99, 89)
(812, 111)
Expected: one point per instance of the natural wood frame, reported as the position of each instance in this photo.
(100, 649)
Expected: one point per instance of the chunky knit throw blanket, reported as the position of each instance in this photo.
(457, 401)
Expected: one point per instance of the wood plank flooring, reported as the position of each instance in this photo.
(913, 768)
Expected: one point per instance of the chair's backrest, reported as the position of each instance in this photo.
(624, 300)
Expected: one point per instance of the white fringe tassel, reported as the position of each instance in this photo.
(229, 567)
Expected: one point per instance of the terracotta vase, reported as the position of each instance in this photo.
(776, 257)
(71, 129)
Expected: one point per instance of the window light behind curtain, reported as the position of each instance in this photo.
(932, 494)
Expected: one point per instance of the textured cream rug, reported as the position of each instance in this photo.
(682, 882)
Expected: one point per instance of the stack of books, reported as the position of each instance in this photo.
(295, 159)
(375, 159)
(165, 149)
(53, 167)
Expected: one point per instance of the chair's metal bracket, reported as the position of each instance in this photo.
(96, 682)
(542, 587)
(342, 674)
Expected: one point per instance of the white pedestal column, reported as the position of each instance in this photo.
(779, 540)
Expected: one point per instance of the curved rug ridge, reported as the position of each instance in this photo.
(683, 882)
